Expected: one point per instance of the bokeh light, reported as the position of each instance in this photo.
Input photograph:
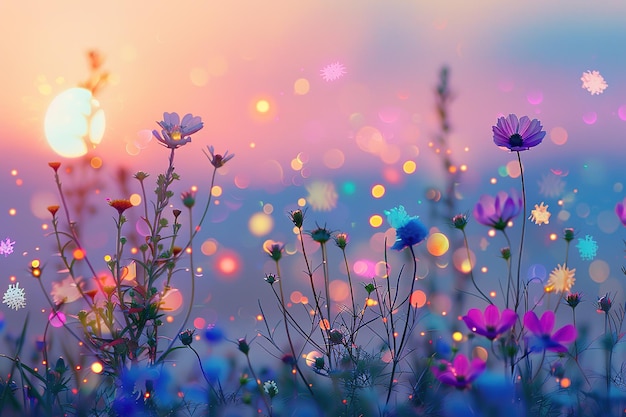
(260, 224)
(437, 244)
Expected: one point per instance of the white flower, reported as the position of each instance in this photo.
(593, 82)
(15, 297)
(332, 72)
(270, 388)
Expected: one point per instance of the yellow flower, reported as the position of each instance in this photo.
(540, 214)
(561, 279)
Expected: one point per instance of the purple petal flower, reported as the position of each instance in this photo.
(409, 229)
(497, 211)
(518, 135)
(459, 373)
(620, 209)
(176, 133)
(491, 324)
(543, 338)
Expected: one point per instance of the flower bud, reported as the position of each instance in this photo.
(186, 337)
(297, 217)
(243, 346)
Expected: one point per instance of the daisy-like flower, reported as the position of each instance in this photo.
(540, 215)
(270, 388)
(274, 249)
(542, 336)
(492, 323)
(121, 205)
(176, 132)
(518, 134)
(561, 279)
(587, 248)
(498, 211)
(620, 210)
(217, 160)
(333, 72)
(6, 247)
(409, 229)
(15, 297)
(459, 373)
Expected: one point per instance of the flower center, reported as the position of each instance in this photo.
(516, 140)
(175, 135)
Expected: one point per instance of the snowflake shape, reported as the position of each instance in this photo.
(333, 72)
(322, 195)
(551, 186)
(6, 247)
(540, 215)
(15, 297)
(593, 82)
(587, 248)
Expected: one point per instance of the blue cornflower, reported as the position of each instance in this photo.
(409, 229)
(176, 132)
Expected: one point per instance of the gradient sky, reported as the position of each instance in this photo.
(219, 59)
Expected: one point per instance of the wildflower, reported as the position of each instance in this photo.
(53, 210)
(175, 132)
(6, 247)
(620, 210)
(505, 253)
(341, 240)
(460, 221)
(335, 337)
(498, 211)
(370, 288)
(333, 71)
(540, 215)
(270, 388)
(409, 229)
(270, 278)
(518, 135)
(321, 234)
(186, 337)
(459, 373)
(561, 279)
(120, 205)
(318, 363)
(15, 297)
(491, 324)
(604, 303)
(189, 198)
(297, 217)
(568, 234)
(54, 165)
(243, 346)
(176, 213)
(543, 337)
(140, 175)
(217, 160)
(274, 250)
(573, 299)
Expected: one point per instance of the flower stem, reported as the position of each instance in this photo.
(521, 245)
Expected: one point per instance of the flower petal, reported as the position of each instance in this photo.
(547, 322)
(566, 334)
(475, 320)
(531, 322)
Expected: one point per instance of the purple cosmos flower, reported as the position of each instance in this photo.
(176, 132)
(518, 135)
(543, 338)
(491, 324)
(409, 229)
(497, 211)
(217, 160)
(620, 209)
(459, 373)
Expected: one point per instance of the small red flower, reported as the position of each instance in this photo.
(54, 165)
(121, 205)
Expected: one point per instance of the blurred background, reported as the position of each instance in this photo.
(327, 105)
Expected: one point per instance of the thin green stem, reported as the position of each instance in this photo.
(521, 245)
(471, 268)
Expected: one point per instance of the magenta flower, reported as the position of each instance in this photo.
(620, 209)
(497, 211)
(543, 338)
(175, 132)
(518, 135)
(491, 324)
(459, 373)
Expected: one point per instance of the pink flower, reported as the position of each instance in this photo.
(491, 324)
(497, 211)
(459, 373)
(620, 209)
(543, 337)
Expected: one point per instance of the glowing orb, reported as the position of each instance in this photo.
(172, 300)
(437, 244)
(74, 123)
(57, 319)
